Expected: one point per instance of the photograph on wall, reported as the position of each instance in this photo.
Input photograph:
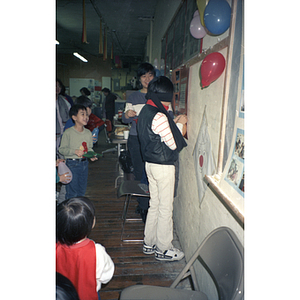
(239, 149)
(182, 99)
(235, 173)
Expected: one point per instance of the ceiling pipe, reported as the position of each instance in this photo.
(151, 41)
(151, 19)
(97, 9)
(114, 31)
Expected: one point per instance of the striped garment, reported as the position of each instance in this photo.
(160, 125)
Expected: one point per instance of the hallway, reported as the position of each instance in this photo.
(131, 265)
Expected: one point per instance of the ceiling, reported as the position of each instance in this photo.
(127, 24)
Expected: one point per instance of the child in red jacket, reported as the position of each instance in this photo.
(85, 263)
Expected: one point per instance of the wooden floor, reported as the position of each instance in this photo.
(131, 265)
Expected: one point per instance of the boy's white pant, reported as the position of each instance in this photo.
(159, 222)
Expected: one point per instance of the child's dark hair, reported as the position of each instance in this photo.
(145, 68)
(85, 101)
(85, 91)
(65, 289)
(161, 84)
(74, 220)
(75, 109)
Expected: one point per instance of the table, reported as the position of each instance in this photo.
(119, 123)
(119, 140)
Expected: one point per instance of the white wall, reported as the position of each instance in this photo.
(192, 222)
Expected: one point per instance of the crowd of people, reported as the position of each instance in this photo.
(154, 143)
(76, 254)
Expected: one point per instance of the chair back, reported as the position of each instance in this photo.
(222, 255)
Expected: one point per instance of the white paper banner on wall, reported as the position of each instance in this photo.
(203, 157)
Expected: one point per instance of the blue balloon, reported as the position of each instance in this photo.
(217, 15)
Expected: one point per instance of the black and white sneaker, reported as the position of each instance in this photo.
(149, 249)
(169, 255)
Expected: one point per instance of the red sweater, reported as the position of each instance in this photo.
(78, 264)
(94, 122)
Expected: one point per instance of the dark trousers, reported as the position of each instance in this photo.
(134, 148)
(139, 173)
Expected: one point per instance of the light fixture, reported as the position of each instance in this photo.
(80, 57)
(56, 42)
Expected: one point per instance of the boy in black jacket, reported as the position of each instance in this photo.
(161, 141)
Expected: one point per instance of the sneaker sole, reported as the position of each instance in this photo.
(163, 257)
(148, 250)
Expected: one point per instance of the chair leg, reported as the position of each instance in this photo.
(116, 180)
(124, 215)
(193, 276)
(126, 203)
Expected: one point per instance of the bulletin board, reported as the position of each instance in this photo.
(233, 177)
(178, 45)
(180, 79)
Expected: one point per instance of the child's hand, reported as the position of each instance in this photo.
(65, 178)
(59, 160)
(94, 158)
(79, 152)
(181, 119)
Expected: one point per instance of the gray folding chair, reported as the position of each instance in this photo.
(130, 188)
(222, 255)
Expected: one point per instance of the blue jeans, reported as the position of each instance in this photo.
(77, 186)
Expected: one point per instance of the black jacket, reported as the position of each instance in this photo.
(152, 148)
(110, 103)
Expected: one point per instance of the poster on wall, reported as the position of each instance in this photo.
(234, 171)
(203, 157)
(233, 176)
(77, 83)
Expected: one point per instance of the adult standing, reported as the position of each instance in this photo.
(62, 113)
(109, 104)
(63, 93)
(85, 92)
(62, 116)
(134, 105)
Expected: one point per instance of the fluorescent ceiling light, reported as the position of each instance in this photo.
(80, 57)
(56, 42)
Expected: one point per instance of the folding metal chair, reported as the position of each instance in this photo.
(222, 255)
(130, 188)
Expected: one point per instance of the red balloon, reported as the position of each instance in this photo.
(211, 69)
